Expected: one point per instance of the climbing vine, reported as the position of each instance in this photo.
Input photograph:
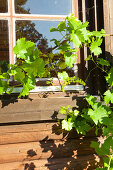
(32, 63)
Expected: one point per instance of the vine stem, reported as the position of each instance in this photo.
(90, 73)
(109, 163)
(98, 66)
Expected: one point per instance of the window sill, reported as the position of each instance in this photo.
(51, 88)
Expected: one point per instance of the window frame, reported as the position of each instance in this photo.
(12, 17)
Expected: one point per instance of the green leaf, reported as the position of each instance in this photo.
(75, 39)
(95, 145)
(3, 86)
(80, 81)
(65, 47)
(108, 97)
(99, 33)
(73, 22)
(103, 62)
(109, 78)
(23, 48)
(81, 127)
(61, 64)
(9, 90)
(98, 114)
(28, 85)
(20, 75)
(36, 68)
(36, 53)
(53, 29)
(61, 26)
(95, 46)
(63, 110)
(70, 59)
(67, 125)
(56, 42)
(63, 76)
(91, 99)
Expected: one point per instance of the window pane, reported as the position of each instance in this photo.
(3, 6)
(39, 32)
(52, 7)
(4, 45)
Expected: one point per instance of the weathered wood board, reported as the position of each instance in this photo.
(36, 107)
(45, 146)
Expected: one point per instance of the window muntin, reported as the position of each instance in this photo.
(3, 6)
(44, 7)
(13, 18)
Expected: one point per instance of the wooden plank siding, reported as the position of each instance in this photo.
(37, 107)
(30, 138)
(108, 25)
(45, 146)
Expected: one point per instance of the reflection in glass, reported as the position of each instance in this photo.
(3, 6)
(39, 33)
(4, 45)
(51, 7)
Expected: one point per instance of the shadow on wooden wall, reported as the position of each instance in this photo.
(72, 152)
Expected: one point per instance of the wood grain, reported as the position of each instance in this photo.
(44, 149)
(22, 110)
(36, 132)
(78, 163)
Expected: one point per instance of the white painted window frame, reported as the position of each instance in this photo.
(12, 17)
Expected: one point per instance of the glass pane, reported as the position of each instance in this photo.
(4, 45)
(39, 32)
(3, 6)
(52, 7)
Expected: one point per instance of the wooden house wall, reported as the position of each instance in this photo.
(42, 146)
(108, 25)
(29, 137)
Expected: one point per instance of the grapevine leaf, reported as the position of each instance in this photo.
(95, 145)
(36, 53)
(70, 59)
(36, 68)
(99, 33)
(108, 97)
(56, 41)
(73, 22)
(75, 39)
(3, 86)
(23, 48)
(109, 78)
(91, 99)
(80, 81)
(95, 46)
(98, 114)
(61, 26)
(63, 110)
(65, 47)
(61, 64)
(20, 75)
(82, 127)
(88, 58)
(53, 29)
(67, 125)
(103, 62)
(63, 76)
(27, 86)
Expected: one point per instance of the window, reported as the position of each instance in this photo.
(31, 19)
